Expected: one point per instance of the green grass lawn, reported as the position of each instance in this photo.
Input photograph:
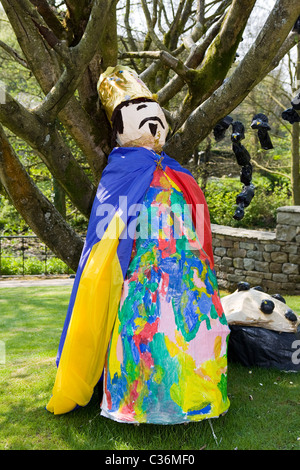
(264, 411)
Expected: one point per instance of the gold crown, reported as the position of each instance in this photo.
(119, 84)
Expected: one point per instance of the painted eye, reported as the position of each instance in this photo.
(243, 286)
(267, 306)
(289, 314)
(259, 288)
(279, 297)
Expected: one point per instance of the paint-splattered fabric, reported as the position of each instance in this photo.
(166, 362)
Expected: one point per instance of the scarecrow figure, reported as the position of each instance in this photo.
(145, 307)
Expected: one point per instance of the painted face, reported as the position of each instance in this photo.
(144, 125)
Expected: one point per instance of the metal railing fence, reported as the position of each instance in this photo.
(23, 255)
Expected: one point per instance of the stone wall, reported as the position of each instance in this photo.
(268, 259)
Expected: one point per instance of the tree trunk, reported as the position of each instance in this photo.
(295, 146)
(59, 197)
(204, 168)
(35, 208)
(295, 164)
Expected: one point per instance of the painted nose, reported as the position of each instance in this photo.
(153, 128)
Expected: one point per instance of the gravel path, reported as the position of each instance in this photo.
(35, 281)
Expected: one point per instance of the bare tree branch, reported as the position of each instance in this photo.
(268, 170)
(162, 10)
(218, 59)
(158, 43)
(14, 54)
(196, 55)
(131, 41)
(35, 208)
(81, 55)
(45, 65)
(289, 43)
(200, 11)
(50, 18)
(165, 58)
(194, 59)
(177, 27)
(76, 18)
(249, 72)
(41, 59)
(52, 149)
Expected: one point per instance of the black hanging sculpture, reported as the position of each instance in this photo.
(221, 127)
(243, 159)
(293, 114)
(290, 115)
(260, 122)
(296, 101)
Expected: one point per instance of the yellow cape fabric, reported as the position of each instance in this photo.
(95, 309)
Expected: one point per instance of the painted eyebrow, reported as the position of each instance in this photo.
(141, 106)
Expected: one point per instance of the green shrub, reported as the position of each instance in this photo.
(33, 266)
(57, 266)
(12, 266)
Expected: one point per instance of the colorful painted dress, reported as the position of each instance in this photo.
(166, 362)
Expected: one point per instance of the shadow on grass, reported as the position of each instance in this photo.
(264, 415)
(85, 429)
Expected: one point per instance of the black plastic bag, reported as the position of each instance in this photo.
(255, 346)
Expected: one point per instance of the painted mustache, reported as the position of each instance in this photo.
(152, 118)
